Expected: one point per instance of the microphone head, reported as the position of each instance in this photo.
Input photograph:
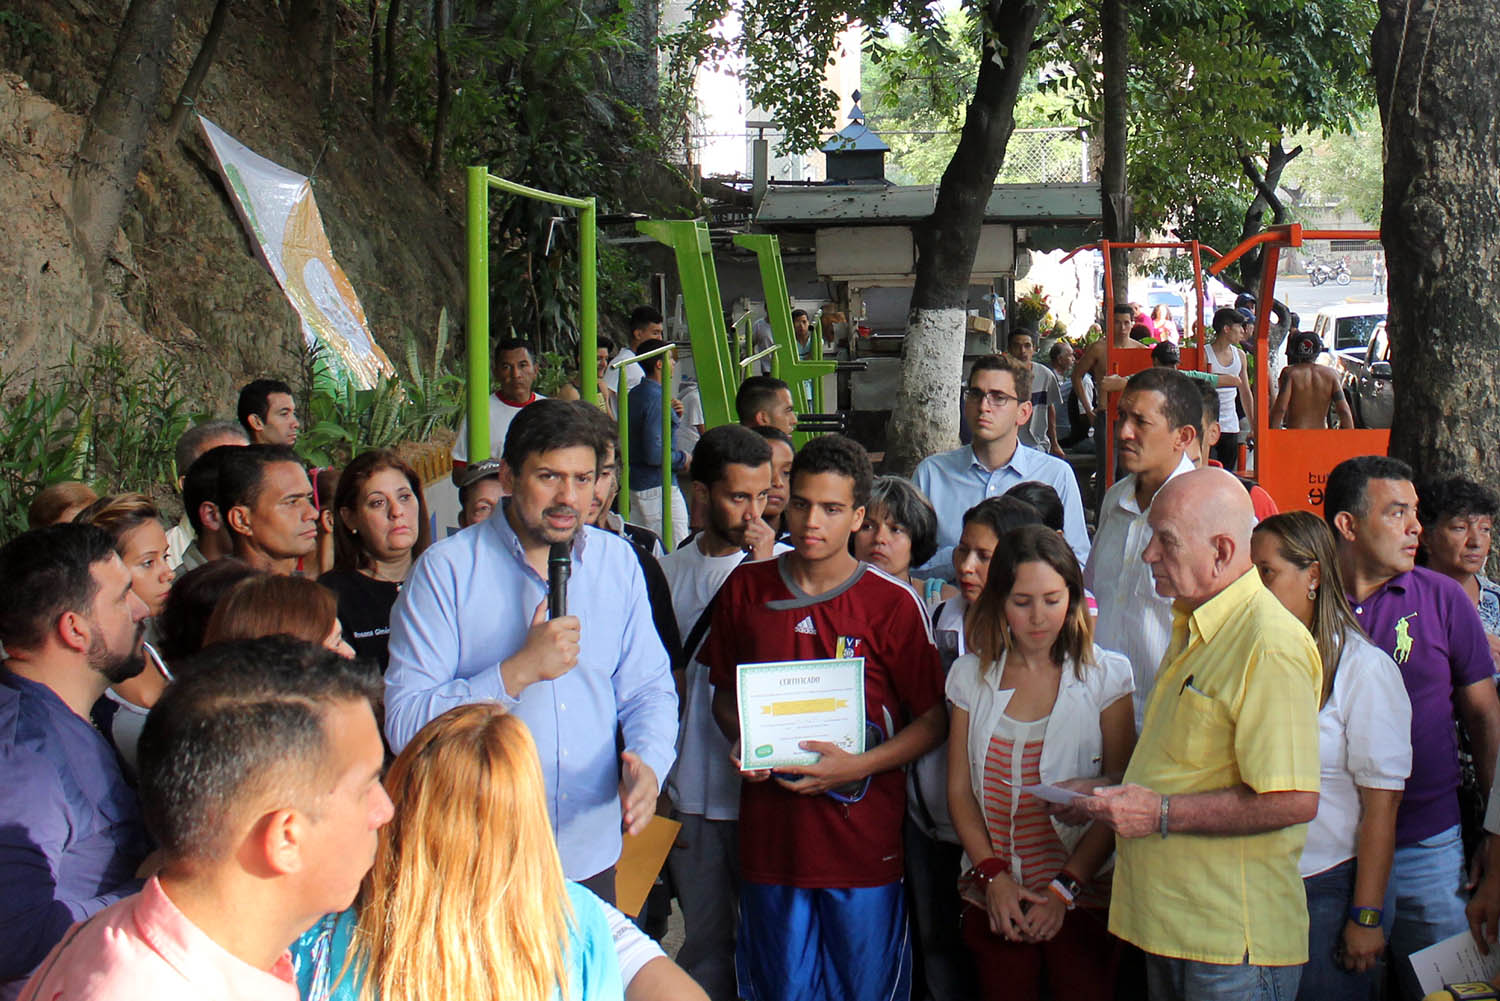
(561, 554)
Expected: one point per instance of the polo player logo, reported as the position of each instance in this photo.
(1403, 638)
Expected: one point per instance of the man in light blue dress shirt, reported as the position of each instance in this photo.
(996, 404)
(471, 625)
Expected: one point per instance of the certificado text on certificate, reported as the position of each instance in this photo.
(785, 703)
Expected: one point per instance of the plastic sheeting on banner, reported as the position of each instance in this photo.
(277, 207)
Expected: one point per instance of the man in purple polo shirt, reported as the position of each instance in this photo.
(71, 834)
(1429, 626)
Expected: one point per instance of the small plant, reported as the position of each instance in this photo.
(343, 421)
(98, 419)
(555, 370)
(1032, 307)
(38, 447)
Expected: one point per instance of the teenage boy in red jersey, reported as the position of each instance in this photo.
(821, 908)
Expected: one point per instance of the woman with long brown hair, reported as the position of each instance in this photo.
(141, 541)
(380, 528)
(467, 897)
(1364, 728)
(1035, 701)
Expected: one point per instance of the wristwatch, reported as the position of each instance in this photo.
(1366, 917)
(1071, 884)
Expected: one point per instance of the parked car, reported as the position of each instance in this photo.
(1368, 383)
(1345, 331)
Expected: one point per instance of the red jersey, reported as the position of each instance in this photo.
(759, 615)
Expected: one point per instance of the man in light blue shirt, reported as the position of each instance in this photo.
(996, 404)
(470, 625)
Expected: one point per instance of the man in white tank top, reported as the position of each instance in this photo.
(1225, 357)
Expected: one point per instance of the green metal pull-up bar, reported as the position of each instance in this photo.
(479, 183)
(622, 460)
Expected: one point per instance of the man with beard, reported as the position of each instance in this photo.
(731, 483)
(72, 835)
(471, 625)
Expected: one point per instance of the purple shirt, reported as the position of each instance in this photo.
(1432, 631)
(71, 834)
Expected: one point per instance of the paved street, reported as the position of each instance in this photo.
(1305, 300)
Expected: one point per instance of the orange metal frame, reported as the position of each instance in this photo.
(1292, 465)
(1128, 361)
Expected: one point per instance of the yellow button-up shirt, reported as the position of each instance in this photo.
(1235, 701)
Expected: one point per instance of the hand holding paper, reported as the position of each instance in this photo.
(835, 768)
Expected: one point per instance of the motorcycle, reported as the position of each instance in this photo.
(1318, 273)
(1341, 272)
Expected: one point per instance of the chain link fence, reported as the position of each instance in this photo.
(1045, 156)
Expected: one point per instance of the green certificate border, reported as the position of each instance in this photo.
(786, 666)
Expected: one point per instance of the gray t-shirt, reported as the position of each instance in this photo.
(1044, 390)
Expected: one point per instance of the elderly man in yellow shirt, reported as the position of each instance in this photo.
(1213, 812)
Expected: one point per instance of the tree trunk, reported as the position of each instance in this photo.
(388, 83)
(444, 91)
(1437, 67)
(201, 63)
(925, 419)
(328, 30)
(114, 139)
(377, 112)
(302, 19)
(1119, 224)
(1266, 200)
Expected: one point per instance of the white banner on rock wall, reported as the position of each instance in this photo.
(277, 207)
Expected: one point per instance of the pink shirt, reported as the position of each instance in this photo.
(144, 947)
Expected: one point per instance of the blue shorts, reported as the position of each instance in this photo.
(823, 945)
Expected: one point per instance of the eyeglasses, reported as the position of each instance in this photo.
(996, 398)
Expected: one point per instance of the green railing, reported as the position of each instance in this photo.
(479, 183)
(622, 459)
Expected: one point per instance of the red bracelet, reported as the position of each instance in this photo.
(990, 868)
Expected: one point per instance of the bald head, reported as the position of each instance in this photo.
(1201, 523)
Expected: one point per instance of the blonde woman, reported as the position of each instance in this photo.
(1364, 727)
(467, 897)
(1035, 701)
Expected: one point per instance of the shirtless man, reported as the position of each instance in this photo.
(1093, 360)
(1306, 389)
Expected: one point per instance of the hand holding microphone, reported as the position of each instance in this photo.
(552, 642)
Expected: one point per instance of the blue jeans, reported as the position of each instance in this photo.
(1169, 979)
(1329, 895)
(1427, 882)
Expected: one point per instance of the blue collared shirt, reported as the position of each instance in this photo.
(645, 436)
(955, 481)
(468, 606)
(71, 834)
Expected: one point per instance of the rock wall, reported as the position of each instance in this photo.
(184, 278)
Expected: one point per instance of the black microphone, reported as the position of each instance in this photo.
(559, 569)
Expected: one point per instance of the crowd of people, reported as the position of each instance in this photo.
(295, 746)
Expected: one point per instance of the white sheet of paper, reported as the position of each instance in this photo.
(1052, 793)
(1454, 960)
(783, 704)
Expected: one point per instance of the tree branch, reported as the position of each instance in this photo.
(1070, 21)
(1265, 186)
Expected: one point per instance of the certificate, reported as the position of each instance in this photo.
(783, 704)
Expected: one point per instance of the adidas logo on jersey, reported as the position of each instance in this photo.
(806, 626)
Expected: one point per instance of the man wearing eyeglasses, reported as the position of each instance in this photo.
(996, 404)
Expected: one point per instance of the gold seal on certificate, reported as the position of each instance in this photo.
(785, 703)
